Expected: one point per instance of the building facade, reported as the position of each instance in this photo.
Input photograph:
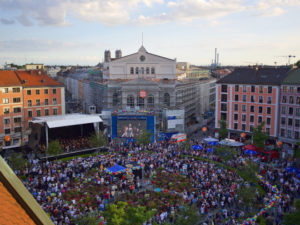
(248, 97)
(27, 94)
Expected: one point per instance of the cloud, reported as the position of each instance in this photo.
(7, 21)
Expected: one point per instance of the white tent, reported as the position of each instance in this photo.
(231, 143)
(210, 139)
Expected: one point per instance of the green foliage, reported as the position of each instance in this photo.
(187, 144)
(98, 140)
(298, 64)
(123, 214)
(144, 138)
(261, 220)
(17, 161)
(249, 170)
(259, 137)
(223, 132)
(247, 195)
(90, 219)
(293, 218)
(187, 216)
(54, 148)
(225, 152)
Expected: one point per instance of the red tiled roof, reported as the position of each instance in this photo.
(9, 78)
(36, 78)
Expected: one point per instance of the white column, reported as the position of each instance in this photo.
(46, 130)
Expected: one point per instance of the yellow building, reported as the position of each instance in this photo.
(34, 66)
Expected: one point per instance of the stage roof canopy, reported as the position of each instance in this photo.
(67, 120)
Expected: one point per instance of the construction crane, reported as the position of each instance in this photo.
(289, 58)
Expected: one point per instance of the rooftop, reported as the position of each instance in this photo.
(293, 77)
(36, 78)
(9, 78)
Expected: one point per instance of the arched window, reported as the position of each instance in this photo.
(136, 70)
(150, 101)
(147, 70)
(141, 102)
(130, 101)
(166, 99)
(115, 99)
(152, 70)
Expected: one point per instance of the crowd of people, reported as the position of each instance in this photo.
(74, 144)
(214, 189)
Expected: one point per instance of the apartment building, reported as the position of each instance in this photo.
(26, 94)
(249, 96)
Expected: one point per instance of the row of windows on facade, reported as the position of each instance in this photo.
(244, 98)
(141, 101)
(16, 130)
(37, 91)
(253, 88)
(29, 102)
(289, 133)
(290, 122)
(142, 70)
(251, 119)
(251, 128)
(244, 108)
(291, 89)
(291, 100)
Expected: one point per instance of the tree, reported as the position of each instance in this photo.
(259, 137)
(225, 152)
(17, 161)
(223, 132)
(90, 219)
(54, 148)
(298, 64)
(97, 140)
(187, 144)
(144, 138)
(293, 218)
(187, 216)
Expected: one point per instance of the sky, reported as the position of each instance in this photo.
(71, 32)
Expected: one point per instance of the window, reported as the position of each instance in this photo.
(6, 121)
(224, 116)
(236, 87)
(251, 119)
(291, 111)
(269, 110)
(38, 102)
(6, 111)
(297, 123)
(147, 70)
(268, 121)
(167, 99)
(29, 103)
(37, 91)
(259, 119)
(291, 89)
(223, 106)
(18, 129)
(5, 100)
(282, 120)
(17, 110)
(268, 130)
(54, 111)
(244, 98)
(29, 113)
(5, 90)
(269, 101)
(17, 120)
(282, 132)
(252, 108)
(236, 107)
(244, 88)
(224, 88)
(152, 70)
(236, 98)
(46, 112)
(150, 101)
(130, 101)
(284, 89)
(236, 116)
(131, 70)
(54, 102)
(298, 112)
(269, 89)
(16, 100)
(115, 99)
(223, 97)
(54, 91)
(296, 135)
(291, 101)
(290, 121)
(46, 101)
(7, 131)
(16, 90)
(136, 70)
(283, 99)
(244, 108)
(244, 117)
(283, 110)
(298, 100)
(252, 88)
(289, 134)
(243, 127)
(142, 70)
(28, 92)
(141, 102)
(46, 91)
(235, 126)
(261, 89)
(38, 112)
(251, 128)
(298, 89)
(261, 99)
(260, 109)
(252, 98)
